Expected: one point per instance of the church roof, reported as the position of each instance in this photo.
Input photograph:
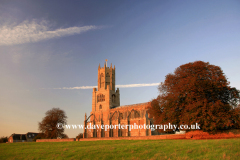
(131, 105)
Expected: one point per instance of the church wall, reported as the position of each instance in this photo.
(126, 115)
(111, 113)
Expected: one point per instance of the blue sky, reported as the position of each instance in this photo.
(46, 45)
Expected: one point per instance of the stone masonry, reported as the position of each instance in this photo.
(106, 110)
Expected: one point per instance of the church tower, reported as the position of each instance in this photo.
(105, 97)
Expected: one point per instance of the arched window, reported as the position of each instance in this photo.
(107, 75)
(100, 98)
(136, 114)
(113, 98)
(132, 114)
(120, 116)
(100, 107)
(102, 80)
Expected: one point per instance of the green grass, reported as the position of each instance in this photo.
(124, 149)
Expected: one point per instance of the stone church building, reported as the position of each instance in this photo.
(106, 111)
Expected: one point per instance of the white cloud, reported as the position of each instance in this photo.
(137, 85)
(118, 86)
(27, 32)
(82, 87)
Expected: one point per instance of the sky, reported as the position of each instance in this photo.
(50, 52)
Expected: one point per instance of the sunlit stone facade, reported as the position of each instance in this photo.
(106, 111)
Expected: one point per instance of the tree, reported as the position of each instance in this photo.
(39, 136)
(52, 123)
(197, 93)
(65, 136)
(3, 139)
(80, 135)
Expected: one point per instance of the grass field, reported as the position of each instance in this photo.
(124, 149)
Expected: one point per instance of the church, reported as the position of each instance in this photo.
(107, 111)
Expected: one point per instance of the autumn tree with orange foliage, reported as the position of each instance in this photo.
(197, 92)
(52, 124)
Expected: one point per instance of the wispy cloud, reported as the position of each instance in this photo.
(27, 32)
(137, 85)
(118, 86)
(82, 87)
